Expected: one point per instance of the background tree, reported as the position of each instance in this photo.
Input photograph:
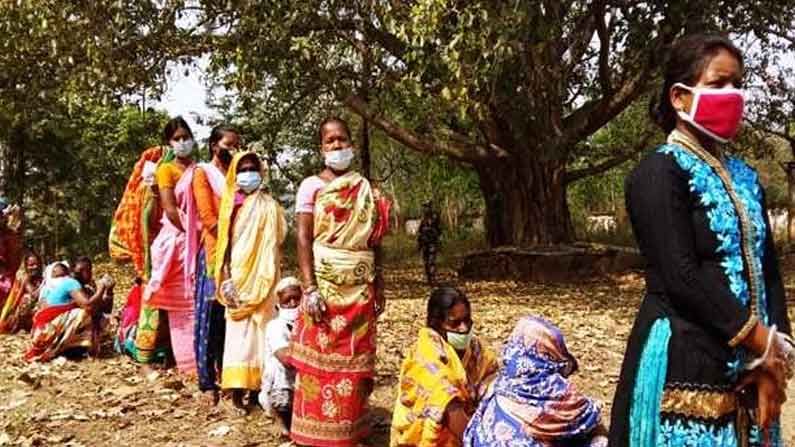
(509, 89)
(56, 53)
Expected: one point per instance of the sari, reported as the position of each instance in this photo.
(135, 223)
(11, 255)
(532, 403)
(433, 375)
(130, 234)
(208, 187)
(335, 359)
(249, 239)
(59, 328)
(17, 312)
(170, 286)
(125, 336)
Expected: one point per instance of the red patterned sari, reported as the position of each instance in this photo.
(335, 360)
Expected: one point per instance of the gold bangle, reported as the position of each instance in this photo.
(744, 331)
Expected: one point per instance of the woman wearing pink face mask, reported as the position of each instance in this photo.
(709, 356)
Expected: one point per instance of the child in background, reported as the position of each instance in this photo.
(278, 378)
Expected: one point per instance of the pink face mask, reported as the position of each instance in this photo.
(717, 112)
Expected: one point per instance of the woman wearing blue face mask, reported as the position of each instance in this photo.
(708, 358)
(251, 229)
(443, 377)
(174, 250)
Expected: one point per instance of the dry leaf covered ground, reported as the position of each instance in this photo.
(106, 401)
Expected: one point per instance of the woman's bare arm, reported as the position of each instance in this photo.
(305, 238)
(168, 200)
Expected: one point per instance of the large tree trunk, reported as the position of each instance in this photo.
(526, 203)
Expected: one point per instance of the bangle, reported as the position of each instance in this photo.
(787, 347)
(309, 289)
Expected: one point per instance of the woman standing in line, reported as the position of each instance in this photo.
(174, 250)
(251, 229)
(340, 224)
(209, 184)
(136, 222)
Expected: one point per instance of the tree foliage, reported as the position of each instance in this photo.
(511, 89)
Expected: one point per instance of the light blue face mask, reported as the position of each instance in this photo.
(339, 160)
(183, 148)
(248, 181)
(459, 341)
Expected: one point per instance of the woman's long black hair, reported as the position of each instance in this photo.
(441, 301)
(687, 60)
(217, 134)
(171, 128)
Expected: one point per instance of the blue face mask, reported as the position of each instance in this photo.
(248, 181)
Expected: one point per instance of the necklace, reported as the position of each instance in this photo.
(746, 227)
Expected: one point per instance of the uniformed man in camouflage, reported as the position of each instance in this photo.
(428, 239)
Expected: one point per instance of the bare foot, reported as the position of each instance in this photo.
(210, 398)
(238, 406)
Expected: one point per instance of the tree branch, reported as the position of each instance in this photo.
(579, 174)
(781, 134)
(604, 47)
(459, 150)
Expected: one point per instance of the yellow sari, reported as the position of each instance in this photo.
(249, 248)
(431, 376)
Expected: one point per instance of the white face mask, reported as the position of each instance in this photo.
(459, 341)
(248, 181)
(183, 148)
(288, 315)
(339, 160)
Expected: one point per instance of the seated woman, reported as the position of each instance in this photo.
(17, 313)
(11, 232)
(531, 402)
(65, 320)
(443, 376)
(124, 342)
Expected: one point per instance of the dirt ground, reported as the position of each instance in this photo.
(107, 402)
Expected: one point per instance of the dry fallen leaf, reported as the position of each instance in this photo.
(221, 430)
(115, 405)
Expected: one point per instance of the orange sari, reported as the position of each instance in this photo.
(130, 235)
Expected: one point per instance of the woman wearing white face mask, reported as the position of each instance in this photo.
(171, 282)
(251, 229)
(340, 223)
(443, 376)
(708, 359)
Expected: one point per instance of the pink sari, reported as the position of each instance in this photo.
(170, 287)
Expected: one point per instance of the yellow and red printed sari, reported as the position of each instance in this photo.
(16, 306)
(58, 328)
(335, 360)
